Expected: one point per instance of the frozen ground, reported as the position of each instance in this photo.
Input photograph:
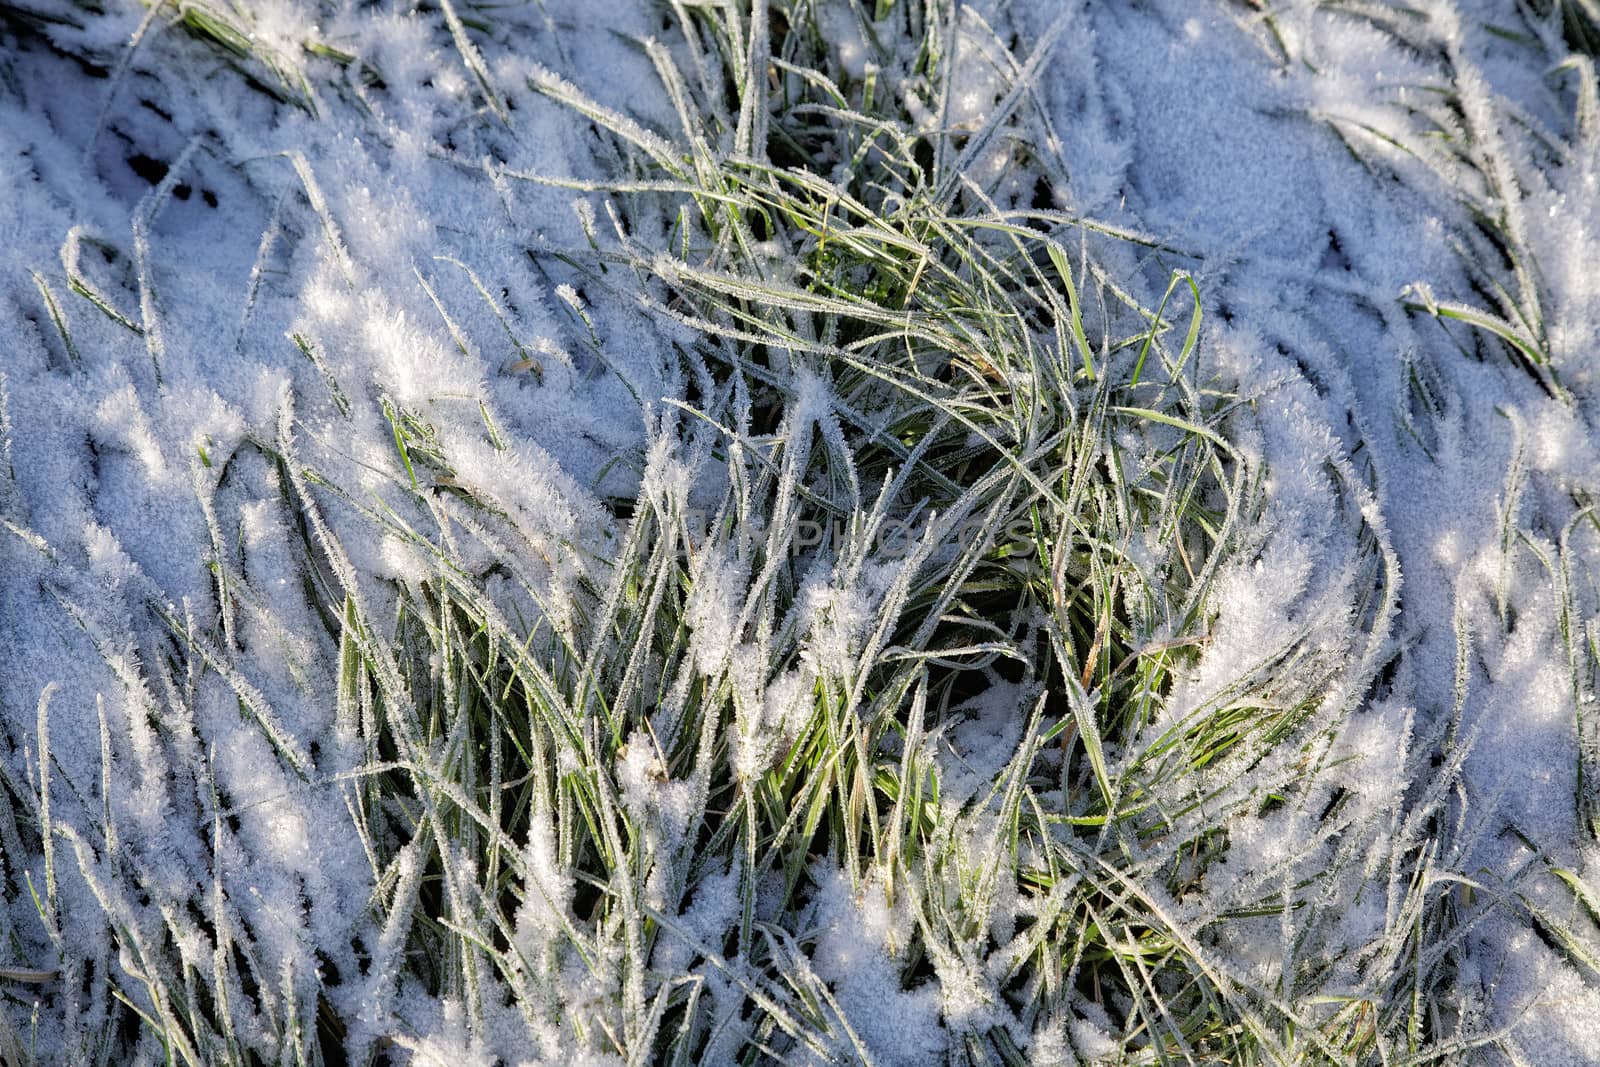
(250, 297)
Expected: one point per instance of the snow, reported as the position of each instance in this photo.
(861, 934)
(299, 290)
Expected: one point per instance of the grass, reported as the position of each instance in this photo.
(547, 776)
(1454, 137)
(1483, 154)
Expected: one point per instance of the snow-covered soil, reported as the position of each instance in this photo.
(208, 292)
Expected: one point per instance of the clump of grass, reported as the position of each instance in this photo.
(883, 341)
(561, 757)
